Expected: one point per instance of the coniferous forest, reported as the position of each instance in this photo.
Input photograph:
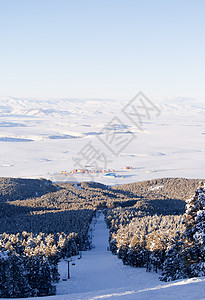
(156, 224)
(170, 241)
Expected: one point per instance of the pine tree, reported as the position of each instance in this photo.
(14, 282)
(186, 258)
(194, 236)
(173, 267)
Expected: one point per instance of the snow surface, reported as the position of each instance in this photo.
(101, 275)
(157, 187)
(41, 138)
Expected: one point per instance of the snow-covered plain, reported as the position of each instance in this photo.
(101, 275)
(42, 138)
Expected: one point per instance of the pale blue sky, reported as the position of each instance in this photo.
(102, 49)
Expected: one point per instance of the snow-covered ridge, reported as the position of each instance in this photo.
(36, 107)
(40, 107)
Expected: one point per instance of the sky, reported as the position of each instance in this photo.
(102, 49)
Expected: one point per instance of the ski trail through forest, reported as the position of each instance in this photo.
(100, 270)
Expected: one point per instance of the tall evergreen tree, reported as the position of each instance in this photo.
(186, 258)
(174, 267)
(194, 237)
(14, 283)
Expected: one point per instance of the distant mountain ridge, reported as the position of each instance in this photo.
(41, 107)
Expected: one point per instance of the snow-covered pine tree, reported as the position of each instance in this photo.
(187, 258)
(39, 275)
(3, 264)
(173, 267)
(194, 238)
(14, 282)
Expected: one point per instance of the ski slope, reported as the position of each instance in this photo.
(101, 275)
(98, 269)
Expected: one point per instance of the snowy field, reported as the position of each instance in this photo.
(101, 275)
(43, 138)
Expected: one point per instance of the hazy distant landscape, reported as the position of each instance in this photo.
(42, 138)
